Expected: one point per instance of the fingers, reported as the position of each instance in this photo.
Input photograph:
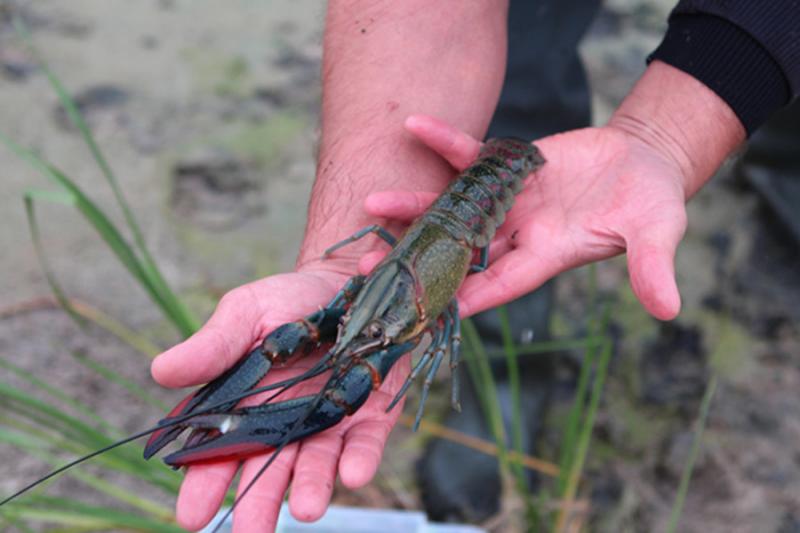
(365, 440)
(314, 475)
(457, 147)
(229, 333)
(202, 492)
(651, 267)
(514, 274)
(259, 509)
(363, 449)
(404, 206)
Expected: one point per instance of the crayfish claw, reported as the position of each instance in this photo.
(215, 395)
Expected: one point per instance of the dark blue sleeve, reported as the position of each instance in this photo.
(746, 51)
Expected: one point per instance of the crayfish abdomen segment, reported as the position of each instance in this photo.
(476, 202)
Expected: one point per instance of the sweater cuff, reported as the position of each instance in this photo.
(728, 61)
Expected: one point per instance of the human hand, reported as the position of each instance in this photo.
(601, 192)
(353, 447)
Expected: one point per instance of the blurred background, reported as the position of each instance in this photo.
(207, 112)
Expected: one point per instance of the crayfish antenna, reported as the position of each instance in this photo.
(169, 422)
(318, 368)
(77, 462)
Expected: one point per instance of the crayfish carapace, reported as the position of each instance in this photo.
(372, 322)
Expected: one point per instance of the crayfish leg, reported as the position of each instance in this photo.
(446, 337)
(439, 352)
(483, 261)
(417, 369)
(455, 356)
(360, 234)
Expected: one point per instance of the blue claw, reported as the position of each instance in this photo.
(289, 339)
(245, 431)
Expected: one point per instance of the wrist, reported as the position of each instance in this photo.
(348, 171)
(383, 61)
(683, 120)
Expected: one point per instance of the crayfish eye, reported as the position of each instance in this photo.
(375, 331)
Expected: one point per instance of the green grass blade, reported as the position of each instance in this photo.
(128, 463)
(574, 417)
(68, 433)
(108, 232)
(512, 364)
(476, 357)
(132, 338)
(67, 512)
(78, 121)
(576, 412)
(115, 377)
(33, 226)
(688, 469)
(8, 523)
(472, 365)
(585, 436)
(64, 433)
(513, 378)
(47, 415)
(56, 393)
(591, 414)
(58, 420)
(36, 447)
(485, 385)
(557, 345)
(187, 322)
(154, 509)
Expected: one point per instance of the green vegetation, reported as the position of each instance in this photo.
(135, 257)
(47, 429)
(686, 475)
(577, 432)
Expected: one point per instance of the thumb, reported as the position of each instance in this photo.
(651, 267)
(457, 147)
(228, 334)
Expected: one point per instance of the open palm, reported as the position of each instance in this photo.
(353, 447)
(603, 191)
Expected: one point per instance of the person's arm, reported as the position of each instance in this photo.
(381, 62)
(679, 116)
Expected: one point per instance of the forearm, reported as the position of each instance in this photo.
(383, 61)
(684, 119)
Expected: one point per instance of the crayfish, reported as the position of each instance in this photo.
(372, 322)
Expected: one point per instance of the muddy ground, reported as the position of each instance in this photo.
(208, 114)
